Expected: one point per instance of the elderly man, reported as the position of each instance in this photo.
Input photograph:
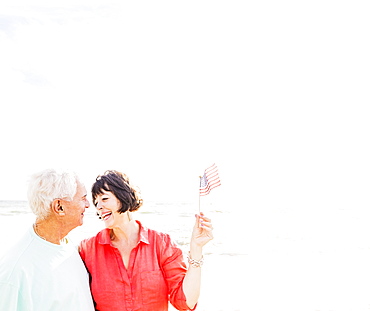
(44, 271)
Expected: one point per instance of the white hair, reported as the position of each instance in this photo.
(46, 186)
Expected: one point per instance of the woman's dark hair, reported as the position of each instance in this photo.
(119, 184)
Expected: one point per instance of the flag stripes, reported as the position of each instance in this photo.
(209, 180)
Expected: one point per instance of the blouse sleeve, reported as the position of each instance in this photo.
(81, 249)
(174, 269)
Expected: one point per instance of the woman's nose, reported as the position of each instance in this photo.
(98, 206)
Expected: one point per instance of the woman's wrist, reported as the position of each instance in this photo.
(195, 252)
(195, 263)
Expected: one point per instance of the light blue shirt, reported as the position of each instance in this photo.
(36, 275)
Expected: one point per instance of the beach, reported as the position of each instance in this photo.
(276, 93)
(285, 260)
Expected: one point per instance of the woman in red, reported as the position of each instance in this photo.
(135, 268)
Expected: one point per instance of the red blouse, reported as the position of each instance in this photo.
(154, 276)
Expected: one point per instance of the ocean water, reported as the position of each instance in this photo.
(176, 219)
(276, 258)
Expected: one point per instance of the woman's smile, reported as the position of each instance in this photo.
(106, 215)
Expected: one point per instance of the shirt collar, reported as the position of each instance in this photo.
(104, 235)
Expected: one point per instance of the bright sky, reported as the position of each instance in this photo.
(274, 92)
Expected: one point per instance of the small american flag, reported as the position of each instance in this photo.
(209, 180)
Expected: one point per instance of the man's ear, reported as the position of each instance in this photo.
(57, 207)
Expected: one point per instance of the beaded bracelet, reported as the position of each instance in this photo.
(195, 263)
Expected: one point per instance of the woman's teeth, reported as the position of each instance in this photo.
(106, 215)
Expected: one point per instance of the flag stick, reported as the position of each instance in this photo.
(200, 183)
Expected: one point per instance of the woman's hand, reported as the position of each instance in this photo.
(202, 231)
(202, 234)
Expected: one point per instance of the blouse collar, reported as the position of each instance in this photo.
(104, 235)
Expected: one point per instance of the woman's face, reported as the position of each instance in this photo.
(107, 205)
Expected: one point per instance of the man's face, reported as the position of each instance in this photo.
(74, 210)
